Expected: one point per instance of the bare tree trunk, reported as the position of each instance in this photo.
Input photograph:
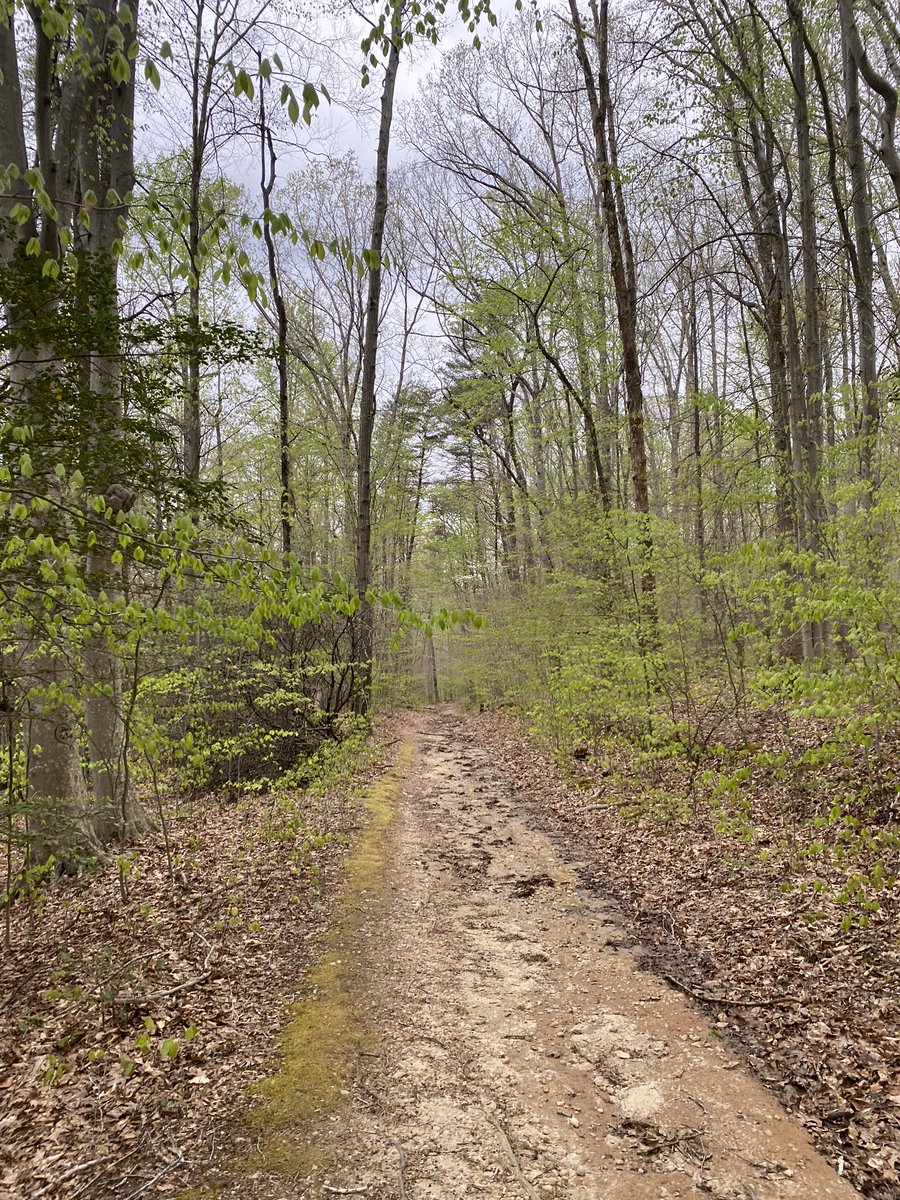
(719, 389)
(117, 813)
(201, 85)
(861, 206)
(536, 436)
(621, 262)
(268, 162)
(693, 393)
(880, 85)
(363, 627)
(429, 661)
(761, 198)
(810, 432)
(107, 166)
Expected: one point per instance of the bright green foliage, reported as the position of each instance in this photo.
(262, 679)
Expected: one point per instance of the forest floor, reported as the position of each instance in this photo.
(478, 1017)
(139, 1006)
(509, 1041)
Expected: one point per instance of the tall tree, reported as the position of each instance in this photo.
(72, 206)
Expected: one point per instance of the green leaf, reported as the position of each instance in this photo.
(243, 84)
(120, 67)
(310, 101)
(152, 74)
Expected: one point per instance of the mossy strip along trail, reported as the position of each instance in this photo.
(327, 1028)
(481, 1024)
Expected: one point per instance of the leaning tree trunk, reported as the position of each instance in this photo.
(268, 164)
(886, 91)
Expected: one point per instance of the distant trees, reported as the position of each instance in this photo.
(625, 316)
(138, 452)
(754, 120)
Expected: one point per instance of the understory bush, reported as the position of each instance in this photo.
(240, 723)
(759, 675)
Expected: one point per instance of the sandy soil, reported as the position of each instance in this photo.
(519, 1050)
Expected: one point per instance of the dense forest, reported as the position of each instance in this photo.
(544, 361)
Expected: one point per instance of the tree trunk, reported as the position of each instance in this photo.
(881, 86)
(622, 265)
(810, 432)
(363, 626)
(201, 85)
(107, 165)
(693, 396)
(268, 161)
(861, 206)
(429, 661)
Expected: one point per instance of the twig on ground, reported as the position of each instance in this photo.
(689, 991)
(181, 987)
(70, 1174)
(145, 1187)
(399, 1150)
(211, 947)
(350, 1191)
(511, 1155)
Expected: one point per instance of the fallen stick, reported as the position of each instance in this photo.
(513, 1159)
(351, 1191)
(181, 987)
(145, 1187)
(399, 1150)
(688, 991)
(70, 1174)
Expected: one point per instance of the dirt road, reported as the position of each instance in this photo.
(517, 1049)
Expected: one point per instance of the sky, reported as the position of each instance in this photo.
(343, 131)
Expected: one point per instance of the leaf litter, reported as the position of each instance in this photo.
(132, 1033)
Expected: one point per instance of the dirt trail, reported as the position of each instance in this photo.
(520, 1051)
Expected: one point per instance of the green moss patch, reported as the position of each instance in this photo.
(327, 1026)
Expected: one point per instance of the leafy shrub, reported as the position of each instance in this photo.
(240, 723)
